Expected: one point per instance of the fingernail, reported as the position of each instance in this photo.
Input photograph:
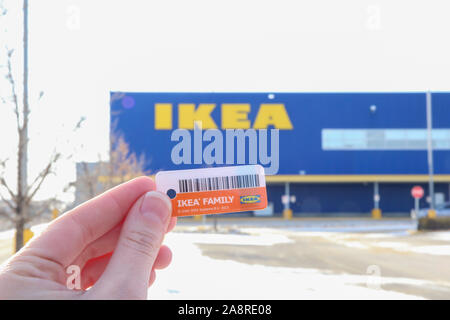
(156, 204)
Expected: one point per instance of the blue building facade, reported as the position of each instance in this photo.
(336, 150)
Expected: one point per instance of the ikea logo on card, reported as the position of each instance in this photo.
(250, 199)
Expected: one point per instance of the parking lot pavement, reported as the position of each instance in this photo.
(300, 259)
(266, 261)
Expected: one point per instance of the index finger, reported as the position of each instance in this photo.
(66, 237)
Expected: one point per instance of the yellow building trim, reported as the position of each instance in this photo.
(356, 178)
(413, 178)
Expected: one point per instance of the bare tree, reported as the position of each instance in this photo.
(19, 199)
(122, 165)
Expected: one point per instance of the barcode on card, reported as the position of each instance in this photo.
(219, 183)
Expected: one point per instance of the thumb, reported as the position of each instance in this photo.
(128, 272)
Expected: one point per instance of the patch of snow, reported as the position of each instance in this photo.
(194, 276)
(436, 250)
(9, 234)
(235, 239)
(441, 250)
(439, 235)
(400, 246)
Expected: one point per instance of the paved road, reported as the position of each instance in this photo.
(418, 261)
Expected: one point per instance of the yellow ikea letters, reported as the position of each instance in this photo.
(233, 116)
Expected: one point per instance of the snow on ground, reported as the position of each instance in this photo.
(194, 276)
(6, 235)
(257, 239)
(360, 241)
(441, 250)
(440, 235)
(9, 234)
(355, 225)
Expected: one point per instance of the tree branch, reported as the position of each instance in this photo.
(38, 178)
(4, 214)
(9, 77)
(37, 183)
(44, 208)
(4, 184)
(10, 205)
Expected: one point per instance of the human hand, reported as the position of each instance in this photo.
(114, 240)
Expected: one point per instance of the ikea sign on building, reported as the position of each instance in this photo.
(335, 152)
(287, 133)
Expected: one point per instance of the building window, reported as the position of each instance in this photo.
(383, 139)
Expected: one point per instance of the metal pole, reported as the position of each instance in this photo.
(430, 149)
(416, 208)
(376, 195)
(24, 142)
(286, 192)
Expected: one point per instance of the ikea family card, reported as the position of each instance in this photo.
(214, 190)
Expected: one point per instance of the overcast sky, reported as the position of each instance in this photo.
(82, 49)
